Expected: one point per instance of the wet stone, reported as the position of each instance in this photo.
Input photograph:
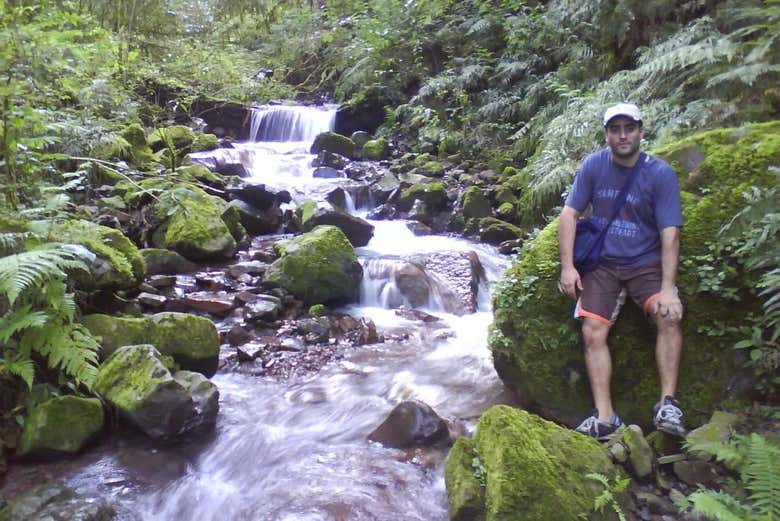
(147, 288)
(416, 314)
(251, 351)
(151, 301)
(162, 281)
(252, 267)
(219, 305)
(411, 424)
(212, 281)
(262, 308)
(238, 335)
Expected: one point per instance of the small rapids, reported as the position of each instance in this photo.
(296, 449)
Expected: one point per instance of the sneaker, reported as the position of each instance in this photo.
(668, 417)
(600, 430)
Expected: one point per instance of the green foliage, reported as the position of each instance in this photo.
(40, 319)
(608, 495)
(757, 461)
(480, 472)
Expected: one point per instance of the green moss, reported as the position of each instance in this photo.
(62, 424)
(306, 211)
(333, 142)
(423, 158)
(536, 345)
(432, 169)
(432, 194)
(127, 266)
(194, 225)
(317, 267)
(191, 340)
(112, 148)
(534, 469)
(160, 261)
(375, 149)
(199, 173)
(507, 212)
(318, 310)
(505, 194)
(450, 145)
(475, 204)
(205, 142)
(495, 231)
(128, 374)
(465, 492)
(180, 136)
(135, 135)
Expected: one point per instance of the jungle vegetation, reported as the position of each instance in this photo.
(509, 83)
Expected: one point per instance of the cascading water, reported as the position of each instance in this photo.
(297, 450)
(290, 123)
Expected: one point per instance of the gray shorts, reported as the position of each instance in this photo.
(605, 289)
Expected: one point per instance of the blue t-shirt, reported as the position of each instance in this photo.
(653, 203)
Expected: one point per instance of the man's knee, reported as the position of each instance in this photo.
(594, 333)
(667, 323)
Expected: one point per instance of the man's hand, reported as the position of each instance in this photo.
(570, 282)
(668, 305)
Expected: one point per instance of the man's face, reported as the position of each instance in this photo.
(623, 136)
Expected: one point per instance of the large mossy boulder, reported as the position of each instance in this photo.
(536, 344)
(63, 424)
(118, 263)
(376, 149)
(432, 195)
(317, 267)
(519, 467)
(197, 225)
(135, 380)
(335, 143)
(475, 204)
(179, 136)
(192, 341)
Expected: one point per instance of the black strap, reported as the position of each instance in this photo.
(621, 198)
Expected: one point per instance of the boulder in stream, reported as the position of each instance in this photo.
(63, 424)
(192, 341)
(165, 262)
(135, 380)
(56, 502)
(411, 424)
(317, 267)
(519, 466)
(358, 231)
(335, 143)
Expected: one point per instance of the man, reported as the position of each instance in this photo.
(639, 257)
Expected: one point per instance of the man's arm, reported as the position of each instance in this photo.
(668, 302)
(570, 278)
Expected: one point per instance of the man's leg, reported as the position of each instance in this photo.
(599, 364)
(668, 347)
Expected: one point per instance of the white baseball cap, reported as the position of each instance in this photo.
(628, 110)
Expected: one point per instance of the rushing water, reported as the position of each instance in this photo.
(297, 450)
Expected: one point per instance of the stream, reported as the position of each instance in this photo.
(296, 449)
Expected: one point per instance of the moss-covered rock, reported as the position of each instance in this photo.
(179, 136)
(61, 424)
(375, 149)
(199, 173)
(165, 262)
(113, 147)
(431, 169)
(191, 340)
(496, 231)
(475, 204)
(335, 143)
(536, 345)
(197, 225)
(519, 467)
(135, 381)
(317, 267)
(140, 153)
(118, 264)
(433, 195)
(205, 142)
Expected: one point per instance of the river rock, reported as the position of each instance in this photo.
(375, 149)
(256, 221)
(317, 267)
(449, 279)
(433, 195)
(475, 204)
(165, 262)
(264, 308)
(384, 186)
(56, 502)
(537, 349)
(201, 227)
(192, 341)
(358, 231)
(411, 424)
(335, 143)
(326, 172)
(62, 424)
(329, 160)
(117, 263)
(360, 137)
(695, 472)
(219, 304)
(496, 231)
(137, 383)
(519, 466)
(639, 452)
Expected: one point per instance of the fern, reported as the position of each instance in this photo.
(607, 496)
(28, 269)
(758, 462)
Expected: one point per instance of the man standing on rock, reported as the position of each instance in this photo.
(639, 258)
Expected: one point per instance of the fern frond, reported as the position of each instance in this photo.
(68, 347)
(21, 271)
(761, 475)
(717, 506)
(12, 242)
(18, 320)
(24, 369)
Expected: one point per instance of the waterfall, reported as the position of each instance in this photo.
(288, 123)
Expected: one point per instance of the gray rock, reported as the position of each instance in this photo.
(258, 221)
(326, 172)
(150, 300)
(264, 308)
(56, 502)
(696, 472)
(411, 424)
(639, 452)
(358, 231)
(63, 424)
(137, 383)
